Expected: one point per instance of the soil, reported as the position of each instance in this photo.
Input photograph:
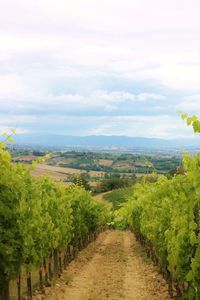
(114, 267)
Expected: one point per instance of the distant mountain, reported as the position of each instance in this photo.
(101, 141)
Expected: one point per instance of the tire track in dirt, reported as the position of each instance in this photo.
(111, 268)
(142, 279)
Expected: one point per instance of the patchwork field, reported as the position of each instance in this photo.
(56, 172)
(61, 173)
(105, 162)
(64, 165)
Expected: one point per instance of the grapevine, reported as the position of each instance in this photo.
(165, 217)
(39, 218)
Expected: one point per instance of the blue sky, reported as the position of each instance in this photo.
(113, 67)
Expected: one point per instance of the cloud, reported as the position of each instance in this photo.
(99, 58)
(9, 130)
(161, 126)
(191, 104)
(101, 15)
(17, 95)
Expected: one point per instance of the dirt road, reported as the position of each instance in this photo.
(114, 267)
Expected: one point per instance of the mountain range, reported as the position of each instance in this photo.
(102, 141)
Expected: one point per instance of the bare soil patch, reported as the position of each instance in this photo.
(113, 268)
(56, 172)
(105, 162)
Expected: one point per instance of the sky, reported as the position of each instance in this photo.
(99, 67)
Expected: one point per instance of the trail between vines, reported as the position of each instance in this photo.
(113, 267)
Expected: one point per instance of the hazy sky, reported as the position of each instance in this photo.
(81, 67)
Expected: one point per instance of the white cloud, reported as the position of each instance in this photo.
(67, 53)
(160, 126)
(150, 96)
(181, 76)
(12, 86)
(191, 104)
(14, 121)
(16, 92)
(8, 130)
(101, 15)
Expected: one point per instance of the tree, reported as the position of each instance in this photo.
(81, 180)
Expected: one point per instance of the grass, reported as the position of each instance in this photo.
(100, 198)
(119, 196)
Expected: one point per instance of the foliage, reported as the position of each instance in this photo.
(39, 216)
(193, 121)
(116, 163)
(109, 184)
(81, 180)
(119, 196)
(11, 190)
(166, 213)
(39, 153)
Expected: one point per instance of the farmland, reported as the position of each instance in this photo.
(64, 165)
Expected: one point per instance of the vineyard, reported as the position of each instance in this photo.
(42, 224)
(165, 217)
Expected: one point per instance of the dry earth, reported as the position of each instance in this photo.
(53, 170)
(61, 173)
(114, 268)
(105, 162)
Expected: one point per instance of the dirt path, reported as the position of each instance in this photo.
(114, 268)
